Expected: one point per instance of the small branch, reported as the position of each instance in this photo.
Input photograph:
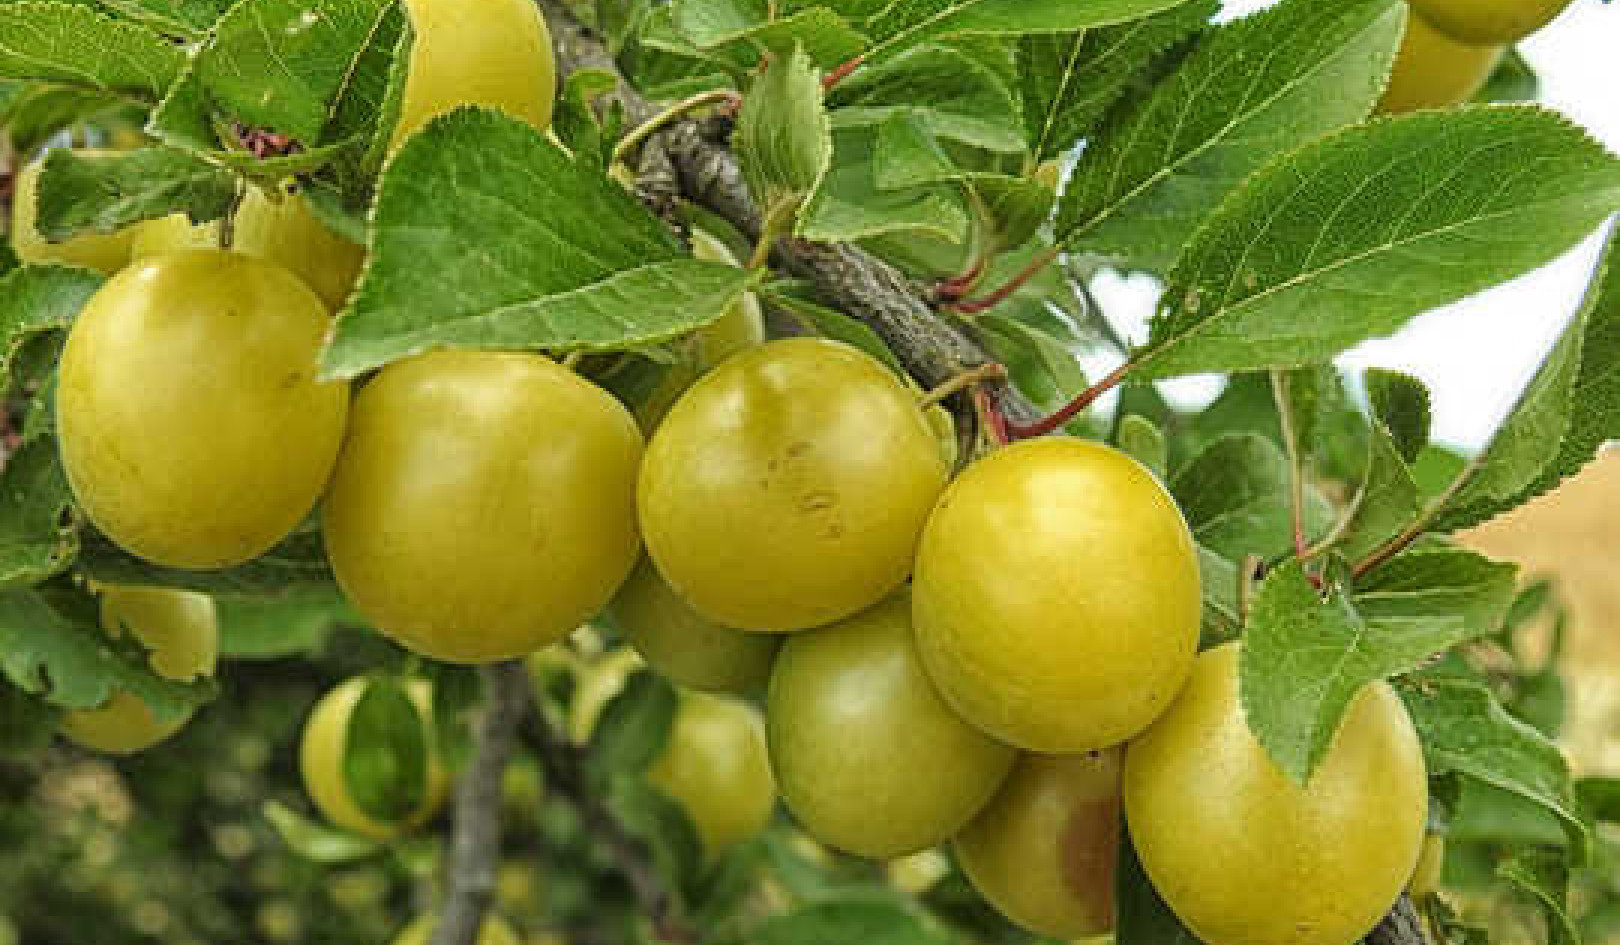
(1296, 464)
(1401, 927)
(777, 221)
(563, 763)
(679, 110)
(227, 223)
(1421, 524)
(831, 79)
(970, 378)
(846, 277)
(1075, 407)
(1249, 570)
(991, 420)
(952, 289)
(475, 841)
(1007, 291)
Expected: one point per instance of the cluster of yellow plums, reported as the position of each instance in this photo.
(1003, 660)
(1452, 47)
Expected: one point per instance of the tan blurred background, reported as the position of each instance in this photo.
(1573, 536)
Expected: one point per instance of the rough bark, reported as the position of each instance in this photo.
(849, 279)
(475, 841)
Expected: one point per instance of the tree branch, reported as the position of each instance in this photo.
(1401, 927)
(849, 279)
(475, 842)
(563, 763)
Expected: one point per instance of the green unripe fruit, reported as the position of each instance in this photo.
(1247, 856)
(1043, 851)
(1056, 597)
(193, 428)
(715, 766)
(484, 505)
(870, 759)
(685, 646)
(787, 488)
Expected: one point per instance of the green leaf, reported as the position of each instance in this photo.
(1514, 80)
(827, 38)
(1145, 442)
(458, 692)
(1439, 584)
(1388, 502)
(108, 192)
(1544, 875)
(1401, 403)
(298, 561)
(850, 205)
(1464, 729)
(1352, 236)
(37, 300)
(1071, 80)
(908, 155)
(531, 249)
(314, 841)
(27, 724)
(82, 48)
(188, 18)
(1141, 916)
(185, 119)
(1011, 210)
(52, 645)
(952, 95)
(716, 22)
(38, 534)
(282, 64)
(1251, 91)
(1486, 814)
(385, 753)
(868, 919)
(906, 23)
(368, 108)
(575, 120)
(1042, 367)
(1570, 408)
(661, 823)
(634, 727)
(1219, 578)
(270, 626)
(797, 300)
(1235, 496)
(1305, 658)
(783, 138)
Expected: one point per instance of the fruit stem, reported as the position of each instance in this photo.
(640, 134)
(842, 72)
(475, 840)
(975, 306)
(227, 223)
(991, 419)
(1296, 464)
(777, 220)
(1420, 524)
(1248, 575)
(1050, 423)
(972, 377)
(953, 288)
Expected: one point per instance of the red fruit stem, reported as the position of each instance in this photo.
(1052, 422)
(975, 306)
(842, 72)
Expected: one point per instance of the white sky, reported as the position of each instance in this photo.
(1475, 355)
